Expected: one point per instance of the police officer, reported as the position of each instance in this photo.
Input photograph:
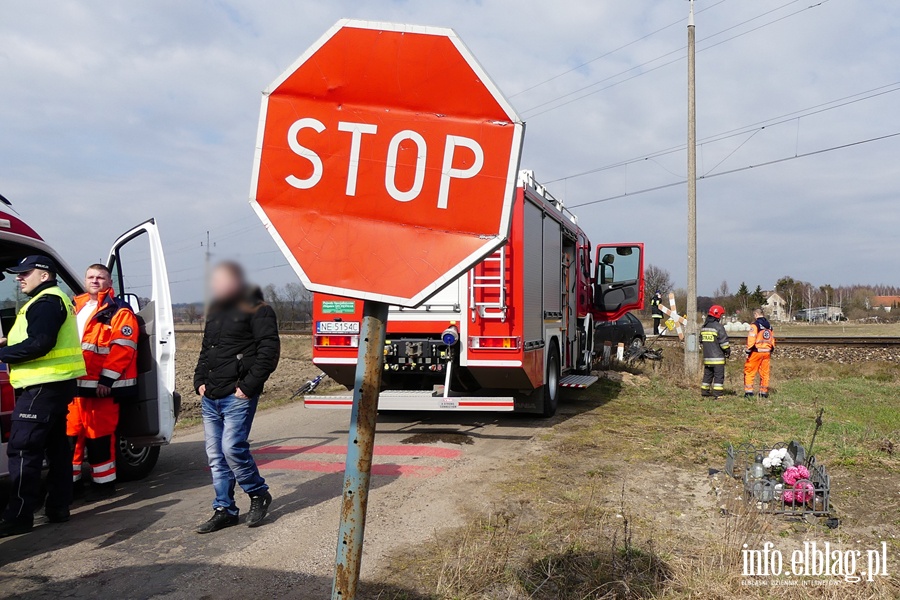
(655, 311)
(44, 358)
(716, 350)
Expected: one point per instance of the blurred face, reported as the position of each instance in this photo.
(29, 280)
(96, 281)
(224, 284)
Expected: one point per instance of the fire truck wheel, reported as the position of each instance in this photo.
(550, 390)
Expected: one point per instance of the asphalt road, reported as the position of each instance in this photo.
(141, 544)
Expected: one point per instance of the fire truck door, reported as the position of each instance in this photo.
(618, 281)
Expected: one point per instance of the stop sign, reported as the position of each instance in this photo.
(386, 162)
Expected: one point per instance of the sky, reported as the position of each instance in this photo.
(114, 112)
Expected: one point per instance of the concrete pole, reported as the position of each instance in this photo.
(360, 448)
(691, 362)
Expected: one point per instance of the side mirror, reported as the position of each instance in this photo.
(133, 301)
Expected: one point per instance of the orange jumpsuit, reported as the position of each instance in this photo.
(109, 344)
(760, 343)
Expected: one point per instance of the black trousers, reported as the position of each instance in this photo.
(656, 321)
(38, 429)
(713, 380)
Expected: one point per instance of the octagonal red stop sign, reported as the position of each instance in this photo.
(386, 162)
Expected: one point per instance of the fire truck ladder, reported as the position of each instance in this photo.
(496, 283)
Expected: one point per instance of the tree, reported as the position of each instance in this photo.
(743, 296)
(758, 297)
(191, 313)
(722, 291)
(657, 279)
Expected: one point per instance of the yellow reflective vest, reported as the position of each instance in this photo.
(63, 362)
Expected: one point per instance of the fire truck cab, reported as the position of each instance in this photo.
(505, 336)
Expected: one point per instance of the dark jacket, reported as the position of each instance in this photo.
(240, 347)
(45, 319)
(714, 340)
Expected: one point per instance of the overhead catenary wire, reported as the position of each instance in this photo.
(752, 127)
(740, 169)
(610, 52)
(529, 112)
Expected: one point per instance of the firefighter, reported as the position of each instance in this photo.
(656, 312)
(109, 332)
(716, 350)
(44, 358)
(760, 345)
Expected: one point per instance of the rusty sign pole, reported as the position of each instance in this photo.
(360, 446)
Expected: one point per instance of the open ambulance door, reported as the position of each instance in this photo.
(139, 275)
(618, 280)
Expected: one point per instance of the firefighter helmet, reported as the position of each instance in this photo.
(716, 311)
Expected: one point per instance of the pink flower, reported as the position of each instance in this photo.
(795, 474)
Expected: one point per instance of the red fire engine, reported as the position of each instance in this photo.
(505, 336)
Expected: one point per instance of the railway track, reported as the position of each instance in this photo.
(843, 341)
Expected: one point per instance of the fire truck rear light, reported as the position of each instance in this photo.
(494, 343)
(337, 341)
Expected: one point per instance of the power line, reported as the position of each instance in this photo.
(671, 62)
(752, 127)
(738, 170)
(610, 52)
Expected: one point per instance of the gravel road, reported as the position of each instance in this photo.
(141, 543)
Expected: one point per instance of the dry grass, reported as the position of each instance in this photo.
(617, 504)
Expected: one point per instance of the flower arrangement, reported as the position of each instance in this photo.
(778, 461)
(797, 478)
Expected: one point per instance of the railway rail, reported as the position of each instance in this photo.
(844, 341)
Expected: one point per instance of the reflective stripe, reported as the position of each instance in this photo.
(713, 361)
(124, 342)
(718, 386)
(110, 373)
(104, 468)
(106, 478)
(94, 348)
(93, 383)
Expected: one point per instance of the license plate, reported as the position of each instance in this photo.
(337, 327)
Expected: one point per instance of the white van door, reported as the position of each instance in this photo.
(139, 275)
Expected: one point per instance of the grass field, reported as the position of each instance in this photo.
(618, 501)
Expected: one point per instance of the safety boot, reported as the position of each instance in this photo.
(11, 528)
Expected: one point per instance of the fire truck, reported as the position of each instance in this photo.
(505, 336)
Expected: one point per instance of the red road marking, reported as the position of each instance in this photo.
(403, 450)
(285, 464)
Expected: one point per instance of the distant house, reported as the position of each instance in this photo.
(820, 314)
(775, 307)
(886, 303)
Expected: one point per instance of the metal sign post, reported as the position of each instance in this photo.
(360, 446)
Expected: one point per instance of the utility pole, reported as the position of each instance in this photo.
(205, 280)
(691, 362)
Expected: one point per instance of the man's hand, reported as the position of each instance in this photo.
(103, 391)
(3, 341)
(240, 394)
(202, 390)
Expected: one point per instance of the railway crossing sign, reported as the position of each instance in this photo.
(386, 162)
(677, 320)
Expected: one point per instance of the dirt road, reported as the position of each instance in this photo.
(141, 544)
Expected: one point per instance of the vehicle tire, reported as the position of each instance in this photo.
(550, 389)
(134, 463)
(637, 343)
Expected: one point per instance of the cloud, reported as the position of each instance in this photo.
(116, 112)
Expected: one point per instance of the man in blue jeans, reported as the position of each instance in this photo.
(240, 350)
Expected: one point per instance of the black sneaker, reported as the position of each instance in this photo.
(57, 516)
(11, 528)
(764, 395)
(259, 506)
(749, 396)
(219, 520)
